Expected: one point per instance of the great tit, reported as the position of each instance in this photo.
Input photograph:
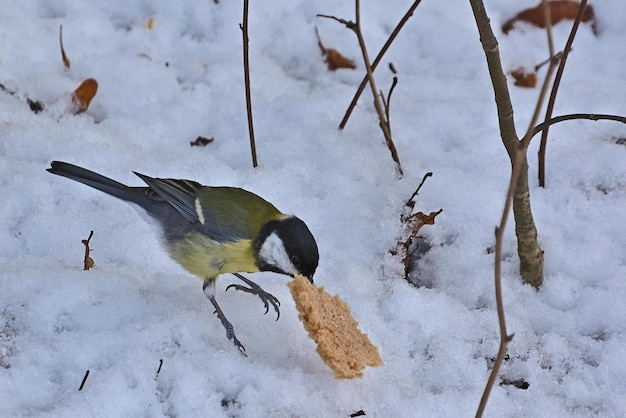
(215, 230)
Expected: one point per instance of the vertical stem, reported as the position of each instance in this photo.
(246, 74)
(379, 57)
(379, 107)
(555, 88)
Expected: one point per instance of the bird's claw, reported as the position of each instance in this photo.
(266, 297)
(238, 344)
(230, 333)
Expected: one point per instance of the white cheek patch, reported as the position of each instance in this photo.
(199, 211)
(273, 252)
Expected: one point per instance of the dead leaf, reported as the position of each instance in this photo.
(35, 105)
(87, 261)
(83, 94)
(150, 23)
(66, 60)
(427, 219)
(333, 58)
(559, 10)
(524, 78)
(201, 141)
(413, 224)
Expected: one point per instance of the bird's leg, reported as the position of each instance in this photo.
(209, 290)
(255, 289)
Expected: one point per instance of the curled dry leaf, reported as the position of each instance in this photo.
(559, 10)
(412, 226)
(87, 261)
(83, 94)
(66, 60)
(524, 78)
(332, 57)
(335, 60)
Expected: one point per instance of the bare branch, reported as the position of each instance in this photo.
(384, 126)
(555, 88)
(387, 103)
(587, 116)
(246, 74)
(380, 55)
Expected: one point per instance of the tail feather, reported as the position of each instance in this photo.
(174, 224)
(97, 181)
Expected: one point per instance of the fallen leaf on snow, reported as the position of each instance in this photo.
(559, 10)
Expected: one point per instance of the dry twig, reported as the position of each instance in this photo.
(379, 57)
(87, 261)
(246, 74)
(384, 126)
(82, 384)
(589, 116)
(555, 88)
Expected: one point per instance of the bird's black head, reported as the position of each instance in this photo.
(287, 246)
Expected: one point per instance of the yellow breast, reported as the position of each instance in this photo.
(207, 258)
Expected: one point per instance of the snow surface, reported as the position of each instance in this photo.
(160, 88)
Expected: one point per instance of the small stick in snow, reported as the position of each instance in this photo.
(88, 261)
(82, 384)
(159, 369)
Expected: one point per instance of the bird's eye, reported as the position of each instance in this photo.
(295, 260)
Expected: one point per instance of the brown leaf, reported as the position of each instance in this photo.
(83, 94)
(333, 58)
(150, 23)
(87, 261)
(413, 225)
(559, 10)
(524, 78)
(427, 219)
(66, 60)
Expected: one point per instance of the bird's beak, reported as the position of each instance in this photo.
(310, 278)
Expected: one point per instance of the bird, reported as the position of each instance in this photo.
(211, 231)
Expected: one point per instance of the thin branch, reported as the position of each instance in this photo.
(246, 73)
(347, 23)
(586, 116)
(387, 103)
(380, 55)
(379, 108)
(356, 28)
(548, 19)
(555, 88)
(555, 57)
(410, 202)
(544, 88)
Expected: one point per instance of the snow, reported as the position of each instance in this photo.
(160, 88)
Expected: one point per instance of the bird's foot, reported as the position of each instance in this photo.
(230, 330)
(266, 297)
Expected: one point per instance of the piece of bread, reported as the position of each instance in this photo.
(344, 348)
